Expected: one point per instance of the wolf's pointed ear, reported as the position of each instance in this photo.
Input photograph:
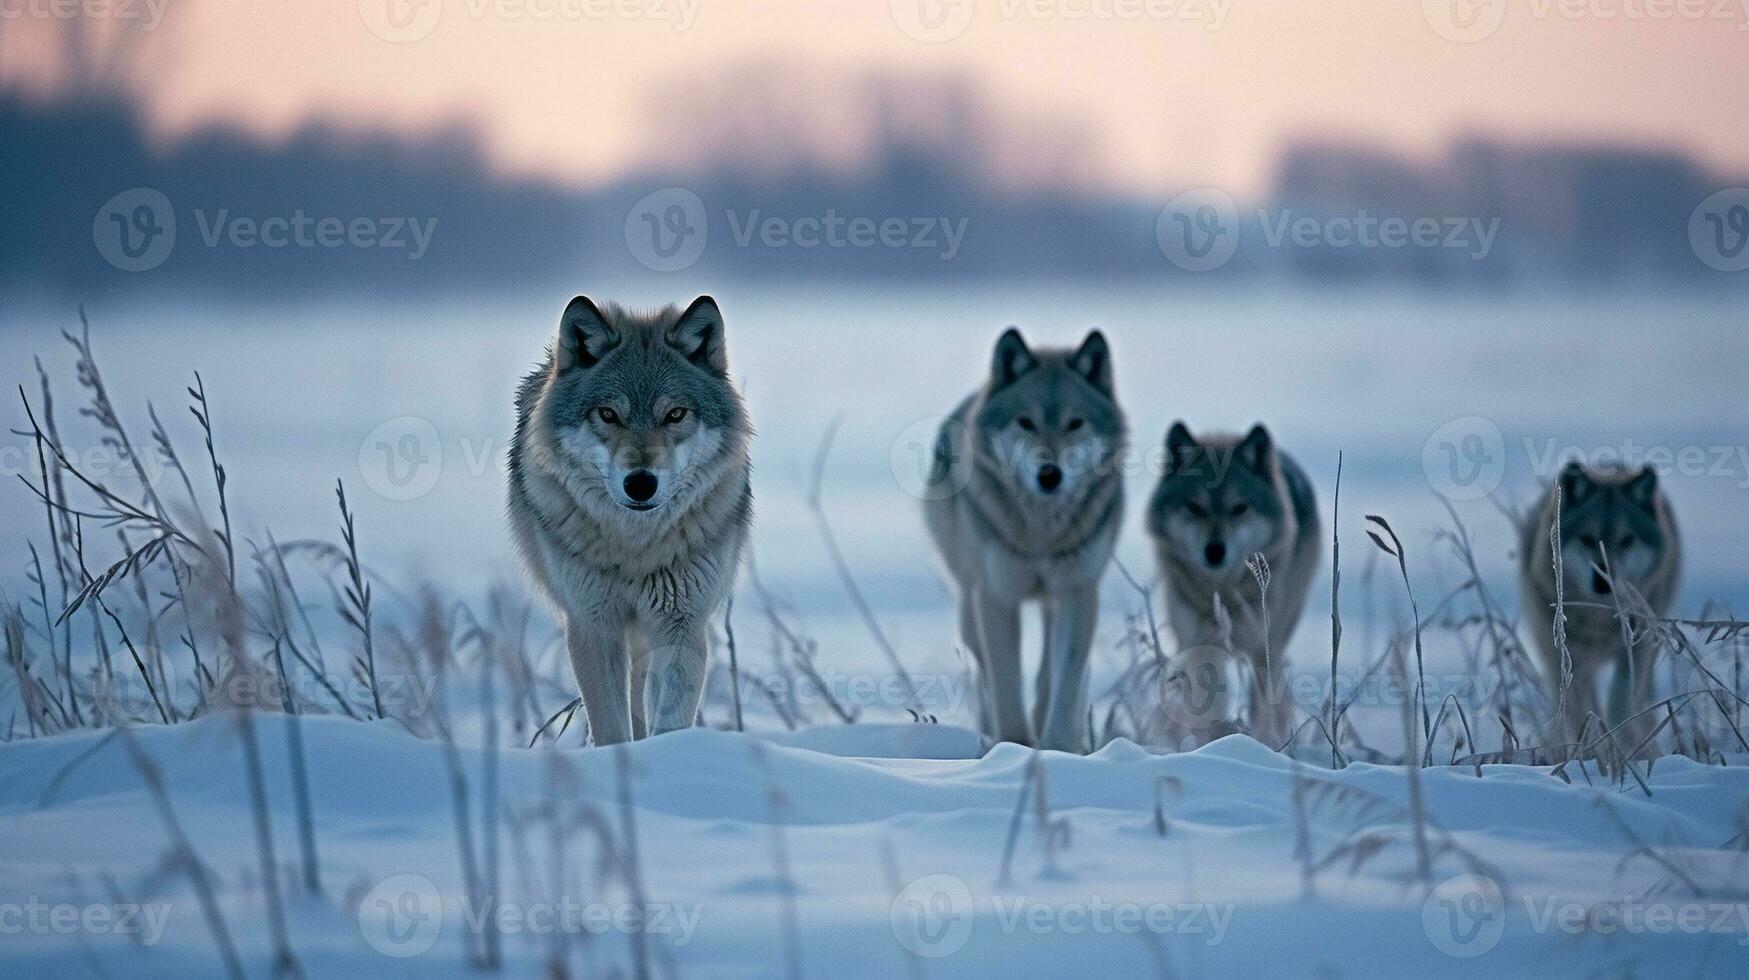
(698, 334)
(1093, 361)
(1012, 359)
(585, 336)
(1180, 444)
(1575, 484)
(1256, 449)
(1643, 489)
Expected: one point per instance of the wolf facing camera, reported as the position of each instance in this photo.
(1024, 503)
(1220, 500)
(1620, 552)
(629, 502)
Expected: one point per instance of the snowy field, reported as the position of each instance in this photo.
(450, 819)
(868, 850)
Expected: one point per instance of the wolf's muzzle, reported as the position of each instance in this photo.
(640, 486)
(1215, 553)
(1049, 478)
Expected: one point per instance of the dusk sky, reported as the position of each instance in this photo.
(1167, 93)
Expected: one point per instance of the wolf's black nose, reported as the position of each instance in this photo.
(1049, 478)
(640, 485)
(1214, 553)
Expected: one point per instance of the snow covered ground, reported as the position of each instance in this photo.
(866, 850)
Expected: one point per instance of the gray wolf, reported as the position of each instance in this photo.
(629, 502)
(1220, 500)
(1620, 552)
(1024, 503)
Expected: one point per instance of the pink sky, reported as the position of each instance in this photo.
(1166, 100)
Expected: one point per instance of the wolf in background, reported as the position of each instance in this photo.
(629, 502)
(1024, 503)
(1620, 553)
(1220, 500)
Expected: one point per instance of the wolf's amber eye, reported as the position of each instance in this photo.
(1025, 423)
(1589, 541)
(1196, 509)
(1239, 509)
(1075, 424)
(607, 415)
(674, 415)
(1627, 541)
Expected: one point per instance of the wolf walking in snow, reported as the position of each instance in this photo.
(1024, 502)
(629, 502)
(1620, 557)
(1220, 500)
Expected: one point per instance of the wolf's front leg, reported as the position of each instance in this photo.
(1068, 647)
(598, 658)
(676, 679)
(997, 623)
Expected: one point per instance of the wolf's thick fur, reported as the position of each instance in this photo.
(1024, 503)
(1619, 546)
(629, 502)
(1220, 500)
